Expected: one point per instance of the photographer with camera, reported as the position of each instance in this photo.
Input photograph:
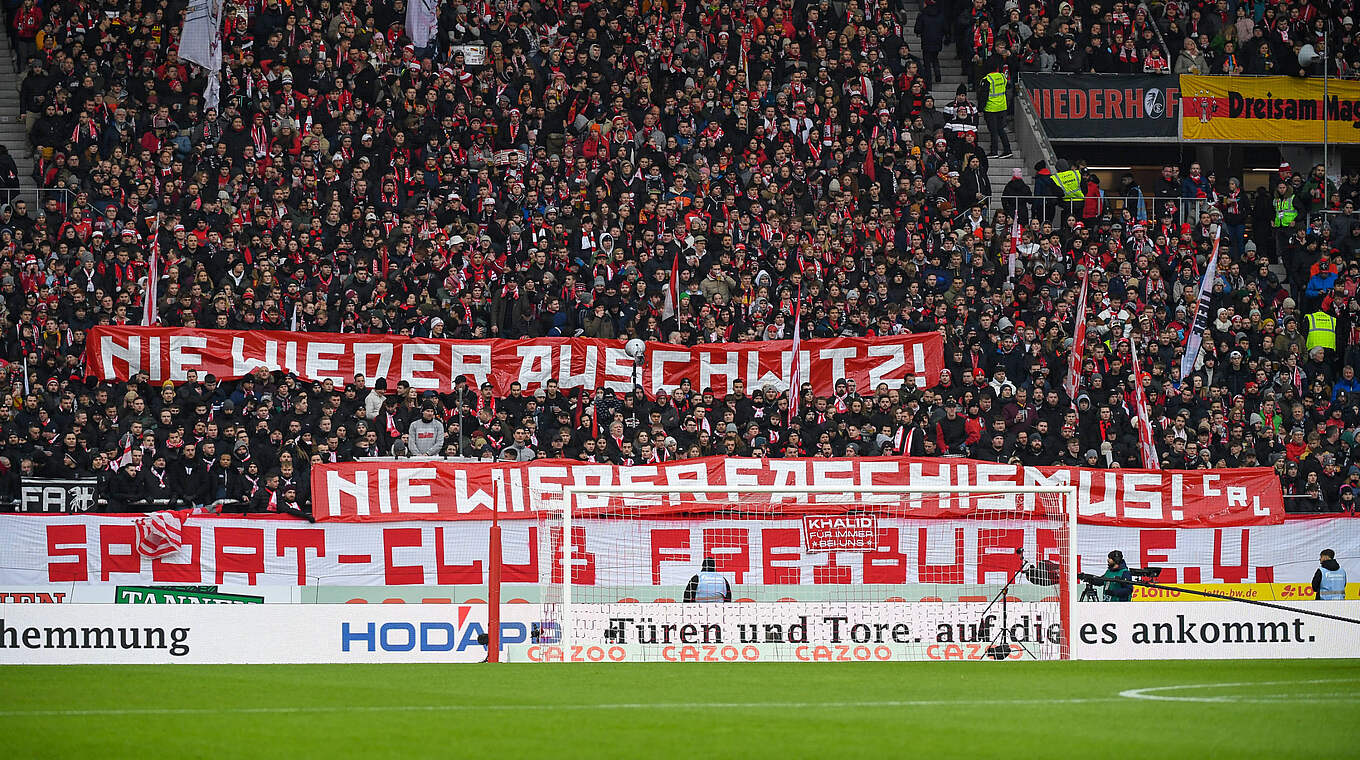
(1116, 577)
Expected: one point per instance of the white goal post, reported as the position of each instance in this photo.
(988, 524)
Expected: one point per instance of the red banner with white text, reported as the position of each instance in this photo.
(378, 491)
(167, 353)
(269, 551)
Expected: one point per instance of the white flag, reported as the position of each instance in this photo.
(1200, 322)
(422, 21)
(200, 42)
(153, 279)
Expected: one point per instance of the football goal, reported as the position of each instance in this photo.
(828, 572)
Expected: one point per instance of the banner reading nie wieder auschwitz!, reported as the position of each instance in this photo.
(166, 353)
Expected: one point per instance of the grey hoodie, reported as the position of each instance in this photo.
(426, 439)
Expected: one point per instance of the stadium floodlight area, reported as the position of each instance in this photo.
(828, 572)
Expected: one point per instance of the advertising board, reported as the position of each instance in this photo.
(1104, 106)
(1213, 630)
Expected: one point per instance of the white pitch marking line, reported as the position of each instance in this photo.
(1149, 692)
(548, 708)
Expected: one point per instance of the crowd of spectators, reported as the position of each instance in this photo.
(350, 182)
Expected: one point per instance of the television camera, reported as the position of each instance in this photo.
(1092, 594)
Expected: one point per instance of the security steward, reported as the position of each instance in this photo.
(1329, 582)
(1286, 214)
(1321, 333)
(708, 585)
(1069, 181)
(994, 106)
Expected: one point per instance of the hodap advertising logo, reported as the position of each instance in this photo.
(463, 634)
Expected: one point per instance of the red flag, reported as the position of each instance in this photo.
(796, 366)
(869, 164)
(1015, 246)
(160, 533)
(671, 307)
(1146, 445)
(1078, 345)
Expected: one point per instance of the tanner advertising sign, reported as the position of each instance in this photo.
(1084, 106)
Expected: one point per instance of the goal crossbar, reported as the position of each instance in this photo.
(571, 491)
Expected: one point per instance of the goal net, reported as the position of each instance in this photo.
(808, 574)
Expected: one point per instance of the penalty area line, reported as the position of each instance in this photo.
(1153, 693)
(94, 712)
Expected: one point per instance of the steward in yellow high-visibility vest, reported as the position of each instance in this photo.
(996, 91)
(994, 112)
(1285, 213)
(1321, 331)
(1070, 181)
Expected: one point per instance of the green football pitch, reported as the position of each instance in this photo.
(1265, 709)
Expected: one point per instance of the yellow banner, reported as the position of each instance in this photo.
(1261, 592)
(1269, 109)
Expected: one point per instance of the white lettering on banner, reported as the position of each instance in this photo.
(242, 365)
(1131, 498)
(119, 352)
(728, 369)
(830, 533)
(661, 358)
(618, 370)
(837, 356)
(584, 379)
(182, 358)
(154, 368)
(129, 353)
(471, 359)
(267, 551)
(1134, 497)
(321, 365)
(408, 491)
(364, 351)
(879, 373)
(1212, 630)
(357, 489)
(415, 365)
(535, 365)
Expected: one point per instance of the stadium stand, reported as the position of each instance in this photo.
(353, 183)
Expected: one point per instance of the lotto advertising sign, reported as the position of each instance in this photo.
(1260, 592)
(168, 353)
(799, 632)
(61, 634)
(1213, 631)
(1269, 109)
